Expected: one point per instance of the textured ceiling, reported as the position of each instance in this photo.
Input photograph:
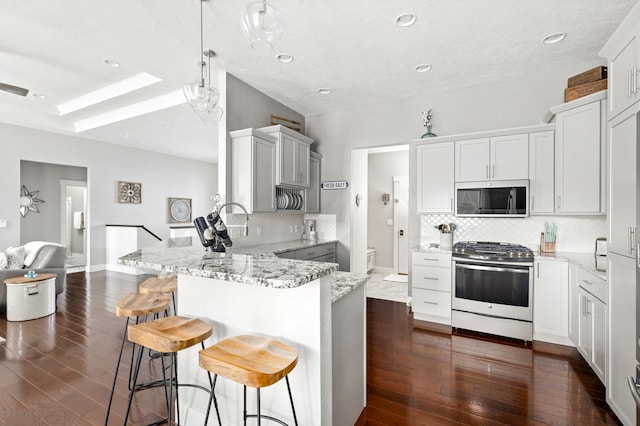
(57, 48)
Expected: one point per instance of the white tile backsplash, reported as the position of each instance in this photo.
(277, 227)
(575, 233)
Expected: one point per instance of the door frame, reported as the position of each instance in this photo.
(396, 222)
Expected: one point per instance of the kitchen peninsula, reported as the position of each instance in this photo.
(249, 290)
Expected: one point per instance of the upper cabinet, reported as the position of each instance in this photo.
(435, 178)
(623, 76)
(541, 182)
(292, 156)
(494, 158)
(253, 170)
(580, 166)
(312, 194)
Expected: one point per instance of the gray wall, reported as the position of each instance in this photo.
(162, 176)
(506, 104)
(382, 168)
(45, 178)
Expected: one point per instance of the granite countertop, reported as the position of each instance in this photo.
(431, 249)
(343, 283)
(185, 255)
(587, 261)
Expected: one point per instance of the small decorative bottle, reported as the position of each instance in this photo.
(426, 119)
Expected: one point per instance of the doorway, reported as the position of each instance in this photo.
(373, 208)
(73, 219)
(401, 222)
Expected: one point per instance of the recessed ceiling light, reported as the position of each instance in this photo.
(423, 68)
(134, 110)
(554, 38)
(284, 58)
(38, 95)
(405, 19)
(324, 91)
(125, 135)
(166, 126)
(115, 64)
(108, 92)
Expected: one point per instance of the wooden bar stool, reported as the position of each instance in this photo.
(170, 335)
(253, 361)
(139, 306)
(161, 285)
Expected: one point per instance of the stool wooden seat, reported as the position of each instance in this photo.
(135, 305)
(159, 285)
(252, 361)
(168, 335)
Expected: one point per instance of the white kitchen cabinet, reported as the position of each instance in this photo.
(621, 355)
(592, 322)
(574, 305)
(435, 177)
(494, 158)
(253, 170)
(312, 194)
(541, 172)
(509, 157)
(292, 156)
(551, 301)
(622, 183)
(472, 160)
(431, 286)
(622, 73)
(579, 161)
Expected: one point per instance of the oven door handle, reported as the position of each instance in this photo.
(492, 268)
(635, 389)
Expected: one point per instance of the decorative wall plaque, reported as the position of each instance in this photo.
(129, 192)
(29, 201)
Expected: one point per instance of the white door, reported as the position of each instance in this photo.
(358, 203)
(400, 221)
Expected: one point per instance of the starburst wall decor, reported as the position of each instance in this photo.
(129, 192)
(29, 201)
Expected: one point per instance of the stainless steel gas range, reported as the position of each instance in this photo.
(493, 288)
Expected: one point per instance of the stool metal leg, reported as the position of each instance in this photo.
(135, 379)
(295, 419)
(115, 374)
(258, 393)
(244, 410)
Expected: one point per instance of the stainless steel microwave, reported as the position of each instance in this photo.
(507, 198)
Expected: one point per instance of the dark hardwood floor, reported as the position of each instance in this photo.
(58, 370)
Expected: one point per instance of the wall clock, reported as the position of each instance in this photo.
(179, 210)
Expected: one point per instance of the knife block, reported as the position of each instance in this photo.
(546, 247)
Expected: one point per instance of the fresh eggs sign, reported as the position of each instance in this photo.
(334, 184)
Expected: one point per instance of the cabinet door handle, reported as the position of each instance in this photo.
(533, 202)
(559, 202)
(431, 278)
(538, 270)
(638, 254)
(430, 303)
(634, 80)
(632, 243)
(451, 200)
(629, 84)
(486, 171)
(493, 171)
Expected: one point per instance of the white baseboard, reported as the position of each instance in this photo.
(96, 268)
(382, 270)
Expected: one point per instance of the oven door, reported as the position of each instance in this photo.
(493, 288)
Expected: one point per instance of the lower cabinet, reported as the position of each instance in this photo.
(551, 301)
(431, 287)
(592, 321)
(320, 253)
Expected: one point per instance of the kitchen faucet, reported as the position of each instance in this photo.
(218, 208)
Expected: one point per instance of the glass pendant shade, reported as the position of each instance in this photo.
(213, 116)
(201, 96)
(262, 25)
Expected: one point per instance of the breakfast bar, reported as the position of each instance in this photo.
(289, 300)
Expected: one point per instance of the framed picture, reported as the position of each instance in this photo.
(129, 192)
(179, 210)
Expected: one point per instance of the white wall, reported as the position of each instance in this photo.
(502, 105)
(382, 168)
(161, 176)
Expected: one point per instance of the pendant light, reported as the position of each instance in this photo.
(213, 115)
(202, 97)
(262, 25)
